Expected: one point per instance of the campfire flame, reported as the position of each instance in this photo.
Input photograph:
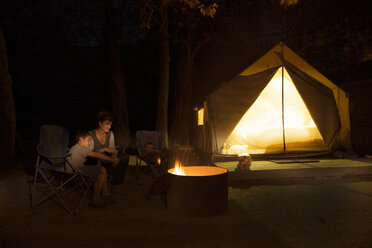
(178, 168)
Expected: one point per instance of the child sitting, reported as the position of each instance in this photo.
(79, 153)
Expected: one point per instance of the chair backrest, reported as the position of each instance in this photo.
(143, 137)
(53, 141)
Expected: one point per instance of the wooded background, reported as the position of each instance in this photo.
(151, 61)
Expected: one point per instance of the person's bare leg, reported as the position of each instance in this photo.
(107, 197)
(98, 186)
(105, 190)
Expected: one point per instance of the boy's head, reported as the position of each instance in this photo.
(149, 146)
(84, 138)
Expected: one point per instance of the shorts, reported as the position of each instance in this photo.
(91, 171)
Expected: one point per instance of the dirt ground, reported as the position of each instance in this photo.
(262, 213)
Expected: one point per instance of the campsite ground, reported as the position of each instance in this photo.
(290, 212)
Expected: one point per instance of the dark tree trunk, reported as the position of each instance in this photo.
(7, 107)
(163, 92)
(111, 33)
(182, 115)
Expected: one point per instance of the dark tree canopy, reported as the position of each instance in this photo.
(57, 57)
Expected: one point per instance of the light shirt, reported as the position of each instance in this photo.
(78, 156)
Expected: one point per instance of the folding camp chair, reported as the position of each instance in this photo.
(143, 137)
(56, 180)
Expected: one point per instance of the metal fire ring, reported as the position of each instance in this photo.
(203, 191)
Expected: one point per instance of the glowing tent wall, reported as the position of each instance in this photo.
(274, 58)
(323, 107)
(262, 130)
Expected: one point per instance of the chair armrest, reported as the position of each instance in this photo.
(140, 152)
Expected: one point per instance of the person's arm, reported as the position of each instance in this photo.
(112, 140)
(91, 146)
(113, 160)
(110, 150)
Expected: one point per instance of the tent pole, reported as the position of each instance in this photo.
(284, 148)
(214, 128)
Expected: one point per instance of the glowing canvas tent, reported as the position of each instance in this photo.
(278, 104)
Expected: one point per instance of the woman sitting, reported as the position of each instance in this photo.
(104, 142)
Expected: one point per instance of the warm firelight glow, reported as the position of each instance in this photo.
(159, 161)
(288, 2)
(178, 168)
(196, 171)
(261, 128)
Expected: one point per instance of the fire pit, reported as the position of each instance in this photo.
(197, 190)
